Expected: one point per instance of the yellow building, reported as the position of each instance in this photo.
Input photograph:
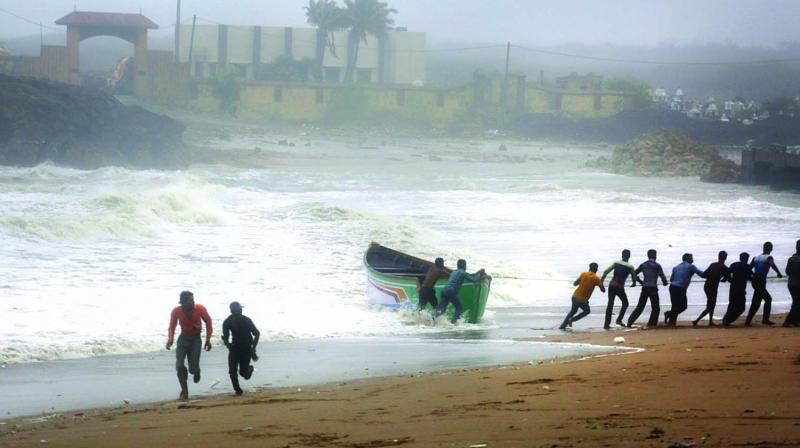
(397, 59)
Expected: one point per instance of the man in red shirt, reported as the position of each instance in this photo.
(190, 316)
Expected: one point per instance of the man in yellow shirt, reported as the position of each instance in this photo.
(580, 298)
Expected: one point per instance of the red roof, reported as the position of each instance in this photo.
(122, 20)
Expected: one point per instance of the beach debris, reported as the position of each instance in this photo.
(530, 363)
(215, 383)
(43, 441)
(688, 350)
(656, 433)
(749, 411)
(683, 445)
(619, 339)
(78, 414)
(126, 401)
(299, 389)
(479, 445)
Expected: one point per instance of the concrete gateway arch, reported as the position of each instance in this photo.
(133, 28)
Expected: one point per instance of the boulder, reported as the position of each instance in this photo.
(663, 153)
(82, 127)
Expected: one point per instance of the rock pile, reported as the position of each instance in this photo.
(80, 127)
(661, 153)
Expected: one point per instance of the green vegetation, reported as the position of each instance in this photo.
(226, 89)
(328, 17)
(364, 17)
(642, 91)
(286, 69)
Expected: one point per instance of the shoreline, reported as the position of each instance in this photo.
(714, 387)
(66, 386)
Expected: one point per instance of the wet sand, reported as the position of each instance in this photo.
(689, 387)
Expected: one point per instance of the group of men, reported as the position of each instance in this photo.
(241, 349)
(737, 274)
(427, 293)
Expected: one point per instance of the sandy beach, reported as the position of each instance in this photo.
(688, 387)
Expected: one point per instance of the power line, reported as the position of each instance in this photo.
(24, 19)
(652, 62)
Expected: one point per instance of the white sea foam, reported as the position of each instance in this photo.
(287, 239)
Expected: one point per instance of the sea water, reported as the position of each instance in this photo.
(92, 262)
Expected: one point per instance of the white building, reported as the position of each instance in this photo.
(397, 59)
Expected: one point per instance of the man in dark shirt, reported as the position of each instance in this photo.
(793, 272)
(427, 293)
(616, 288)
(738, 274)
(243, 347)
(715, 273)
(651, 272)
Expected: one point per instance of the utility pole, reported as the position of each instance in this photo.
(178, 33)
(508, 53)
(191, 43)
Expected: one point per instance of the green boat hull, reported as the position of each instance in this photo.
(399, 289)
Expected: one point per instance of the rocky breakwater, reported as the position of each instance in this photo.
(661, 153)
(70, 125)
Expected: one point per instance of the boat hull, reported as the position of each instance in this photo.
(400, 291)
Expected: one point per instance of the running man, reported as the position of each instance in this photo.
(427, 293)
(450, 292)
(679, 284)
(651, 271)
(191, 317)
(793, 271)
(715, 273)
(580, 297)
(739, 274)
(243, 347)
(616, 288)
(761, 266)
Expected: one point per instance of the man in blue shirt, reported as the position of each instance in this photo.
(651, 271)
(450, 291)
(679, 283)
(761, 266)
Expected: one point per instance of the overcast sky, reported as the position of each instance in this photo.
(638, 22)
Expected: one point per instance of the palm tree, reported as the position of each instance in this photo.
(327, 16)
(364, 17)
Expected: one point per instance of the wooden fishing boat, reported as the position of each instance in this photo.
(393, 280)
